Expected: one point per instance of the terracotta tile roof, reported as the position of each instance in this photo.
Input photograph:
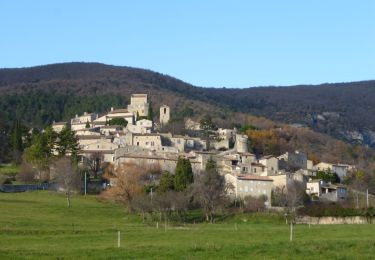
(267, 157)
(59, 123)
(257, 164)
(253, 177)
(247, 154)
(119, 111)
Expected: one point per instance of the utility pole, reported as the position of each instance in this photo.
(85, 183)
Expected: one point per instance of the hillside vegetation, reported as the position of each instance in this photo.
(36, 96)
(342, 110)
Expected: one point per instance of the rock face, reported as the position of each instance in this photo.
(363, 137)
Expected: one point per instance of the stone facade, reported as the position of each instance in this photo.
(164, 114)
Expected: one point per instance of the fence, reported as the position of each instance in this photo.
(22, 188)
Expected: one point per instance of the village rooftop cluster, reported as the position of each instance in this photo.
(141, 142)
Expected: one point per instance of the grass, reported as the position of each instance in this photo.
(37, 225)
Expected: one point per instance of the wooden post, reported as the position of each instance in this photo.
(118, 239)
(157, 225)
(291, 230)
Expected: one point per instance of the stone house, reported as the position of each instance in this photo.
(340, 169)
(58, 126)
(271, 163)
(138, 104)
(120, 113)
(250, 185)
(80, 122)
(150, 141)
(293, 160)
(164, 115)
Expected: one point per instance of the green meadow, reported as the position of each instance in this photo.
(38, 225)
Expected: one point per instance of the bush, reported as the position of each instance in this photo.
(254, 204)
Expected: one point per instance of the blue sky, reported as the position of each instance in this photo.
(206, 43)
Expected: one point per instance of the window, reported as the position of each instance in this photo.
(146, 143)
(255, 169)
(137, 143)
(165, 110)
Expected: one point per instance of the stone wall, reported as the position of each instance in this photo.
(333, 220)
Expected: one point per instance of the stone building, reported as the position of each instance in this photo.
(164, 114)
(138, 104)
(250, 185)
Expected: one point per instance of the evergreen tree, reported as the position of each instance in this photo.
(183, 175)
(118, 121)
(166, 182)
(16, 141)
(67, 142)
(150, 114)
(210, 165)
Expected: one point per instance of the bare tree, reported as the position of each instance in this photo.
(254, 204)
(170, 201)
(27, 173)
(67, 176)
(210, 191)
(129, 180)
(93, 163)
(143, 204)
(295, 196)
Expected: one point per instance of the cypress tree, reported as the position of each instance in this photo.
(183, 175)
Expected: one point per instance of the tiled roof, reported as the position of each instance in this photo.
(119, 111)
(253, 177)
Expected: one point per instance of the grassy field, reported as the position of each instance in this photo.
(37, 225)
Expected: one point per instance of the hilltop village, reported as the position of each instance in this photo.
(128, 135)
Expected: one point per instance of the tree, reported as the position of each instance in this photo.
(40, 152)
(93, 163)
(254, 204)
(66, 175)
(118, 121)
(206, 123)
(26, 174)
(210, 191)
(295, 196)
(129, 182)
(166, 182)
(183, 175)
(67, 143)
(210, 165)
(327, 176)
(150, 114)
(16, 141)
(87, 125)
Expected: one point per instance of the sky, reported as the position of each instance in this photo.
(205, 43)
